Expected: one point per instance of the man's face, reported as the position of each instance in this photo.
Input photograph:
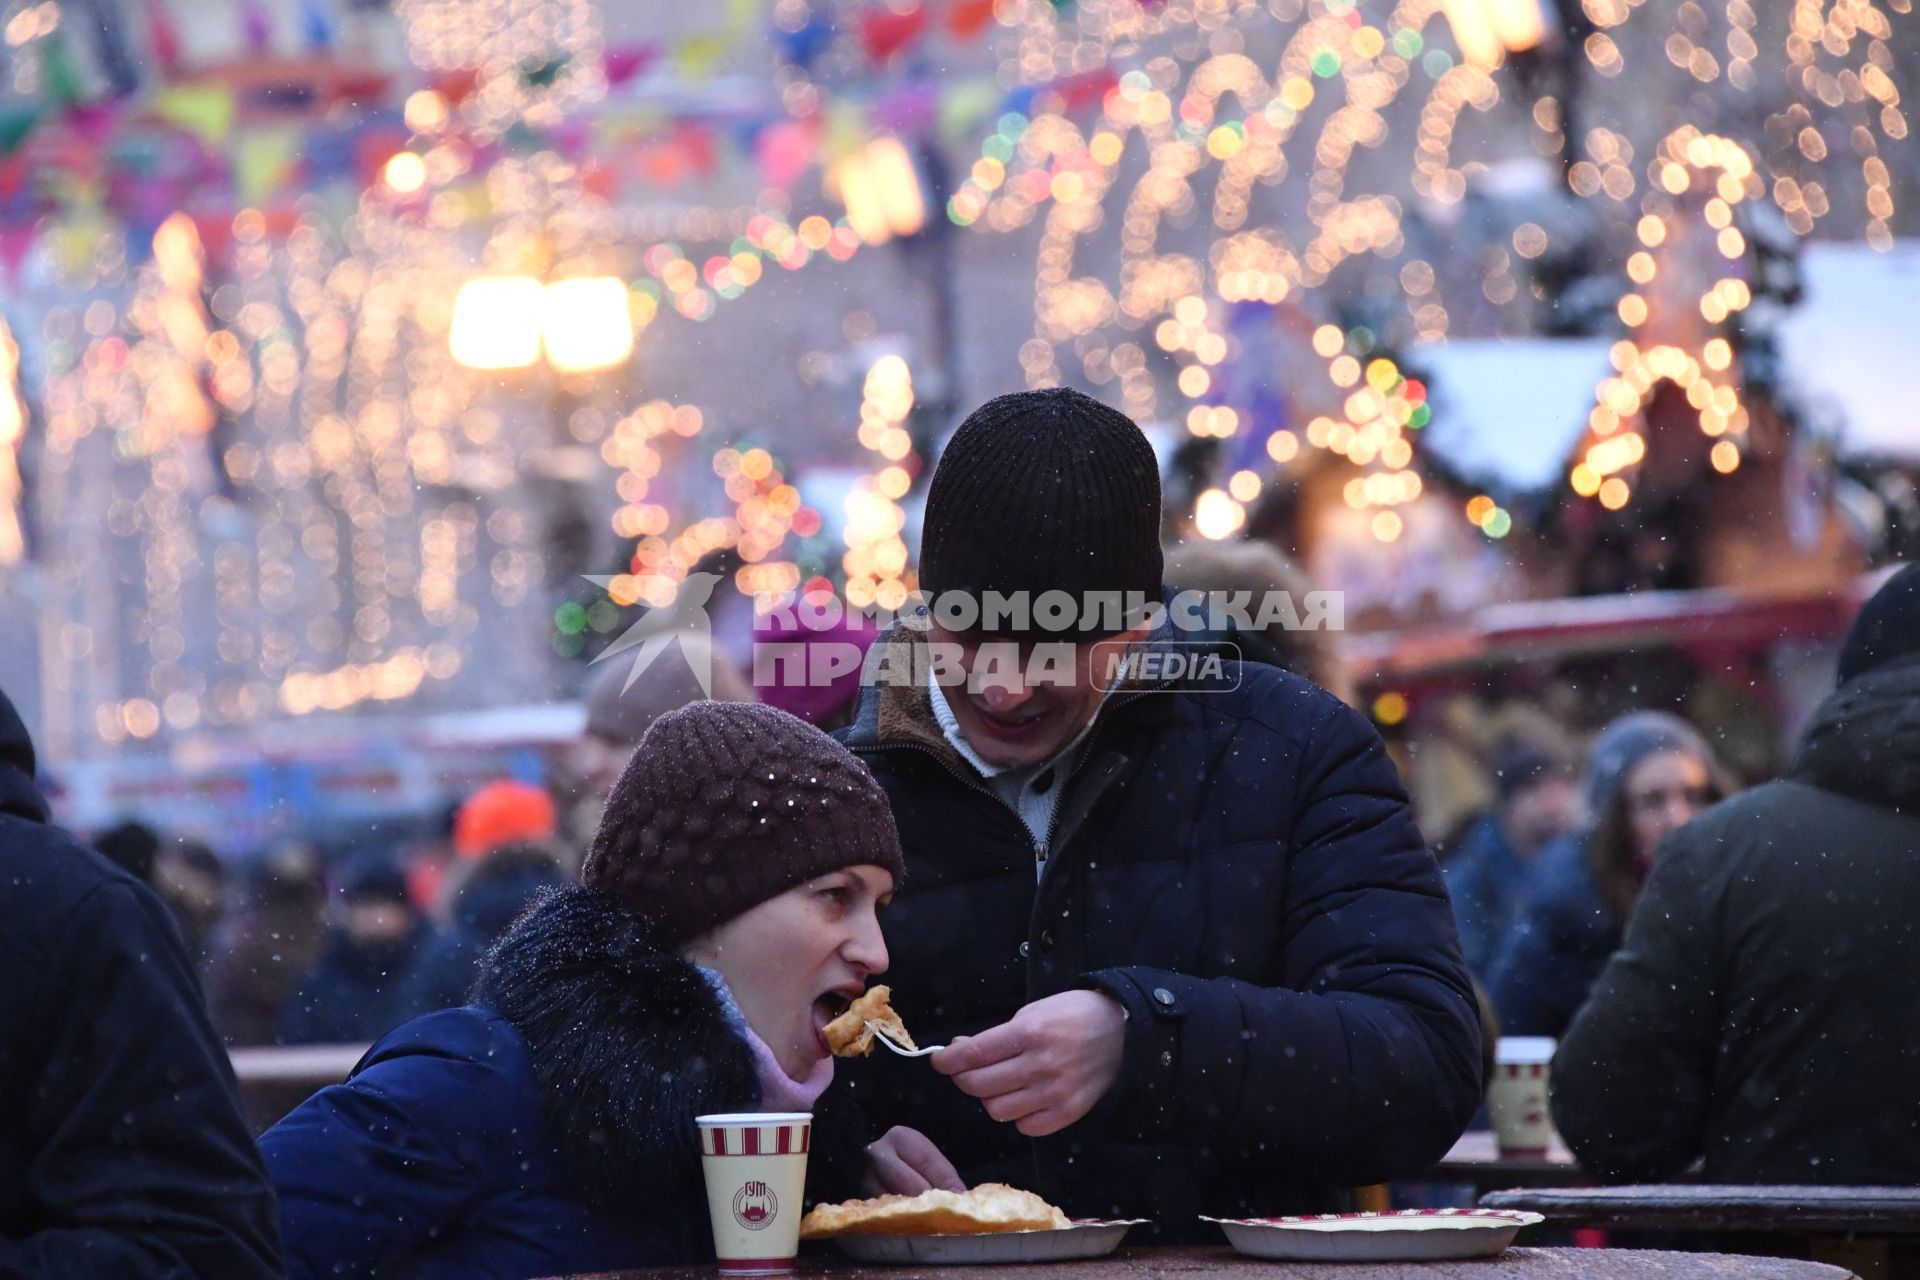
(372, 922)
(595, 763)
(1543, 810)
(1013, 721)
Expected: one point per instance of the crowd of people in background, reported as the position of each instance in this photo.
(1543, 883)
(295, 949)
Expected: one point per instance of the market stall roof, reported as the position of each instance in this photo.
(1849, 344)
(1545, 630)
(1510, 410)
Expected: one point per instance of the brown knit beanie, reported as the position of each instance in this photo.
(727, 804)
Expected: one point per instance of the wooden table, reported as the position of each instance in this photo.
(1476, 1159)
(1704, 1207)
(1224, 1264)
(315, 1065)
(1872, 1230)
(274, 1079)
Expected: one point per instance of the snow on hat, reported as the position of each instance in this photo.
(727, 804)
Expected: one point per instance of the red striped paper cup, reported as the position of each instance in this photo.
(756, 1171)
(1517, 1095)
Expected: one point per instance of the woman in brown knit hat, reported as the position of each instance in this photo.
(727, 913)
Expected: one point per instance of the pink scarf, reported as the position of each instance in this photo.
(778, 1090)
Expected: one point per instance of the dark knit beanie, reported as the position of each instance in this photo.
(1519, 763)
(1626, 742)
(727, 804)
(375, 879)
(1887, 628)
(1043, 491)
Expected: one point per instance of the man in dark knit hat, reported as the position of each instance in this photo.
(1759, 1014)
(1184, 942)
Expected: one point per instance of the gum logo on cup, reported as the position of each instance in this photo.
(755, 1206)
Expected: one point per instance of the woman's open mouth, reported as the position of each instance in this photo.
(826, 1008)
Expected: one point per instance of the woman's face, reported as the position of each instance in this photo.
(796, 960)
(1663, 792)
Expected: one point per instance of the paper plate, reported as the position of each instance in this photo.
(1092, 1238)
(1412, 1235)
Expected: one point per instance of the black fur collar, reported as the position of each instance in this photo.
(629, 1043)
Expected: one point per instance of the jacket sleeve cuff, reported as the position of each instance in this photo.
(1141, 1105)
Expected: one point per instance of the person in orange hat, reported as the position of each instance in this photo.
(501, 813)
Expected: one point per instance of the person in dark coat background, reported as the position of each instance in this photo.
(122, 1151)
(1761, 1012)
(727, 914)
(1490, 866)
(1648, 774)
(260, 954)
(131, 846)
(484, 898)
(1185, 944)
(190, 878)
(364, 985)
(621, 707)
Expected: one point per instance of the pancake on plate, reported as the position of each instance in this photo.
(989, 1209)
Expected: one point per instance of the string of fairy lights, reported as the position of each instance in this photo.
(875, 562)
(323, 477)
(1166, 150)
(13, 430)
(1686, 348)
(304, 461)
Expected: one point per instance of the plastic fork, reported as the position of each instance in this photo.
(880, 1034)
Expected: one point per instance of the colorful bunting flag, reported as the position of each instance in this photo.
(263, 161)
(968, 18)
(886, 32)
(205, 109)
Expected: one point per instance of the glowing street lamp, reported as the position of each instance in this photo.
(1487, 30)
(496, 322)
(881, 189)
(586, 324)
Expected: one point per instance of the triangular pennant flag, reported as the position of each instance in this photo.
(784, 150)
(16, 122)
(700, 56)
(964, 107)
(206, 109)
(263, 161)
(61, 77)
(968, 18)
(846, 130)
(887, 33)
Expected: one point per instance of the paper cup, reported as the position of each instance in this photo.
(756, 1171)
(1517, 1095)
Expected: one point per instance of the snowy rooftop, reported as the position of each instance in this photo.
(1514, 410)
(1853, 341)
(1511, 410)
